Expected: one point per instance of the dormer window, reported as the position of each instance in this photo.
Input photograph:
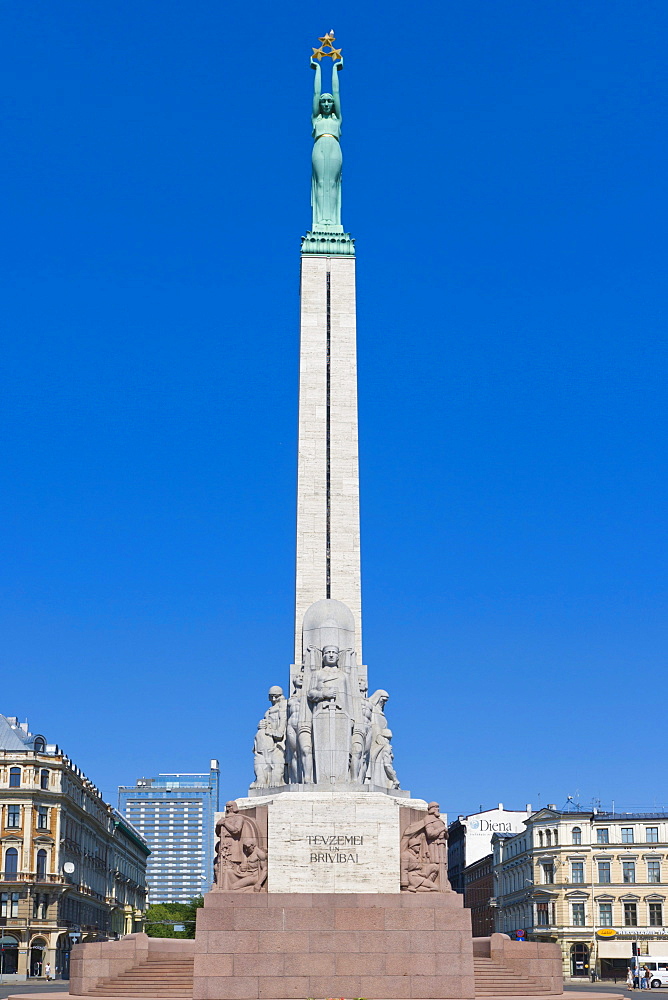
(40, 744)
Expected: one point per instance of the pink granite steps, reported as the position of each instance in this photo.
(171, 979)
(494, 980)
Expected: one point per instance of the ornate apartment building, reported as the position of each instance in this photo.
(72, 867)
(595, 882)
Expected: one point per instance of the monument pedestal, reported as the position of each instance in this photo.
(275, 946)
(346, 841)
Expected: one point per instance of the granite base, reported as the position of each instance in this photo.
(288, 946)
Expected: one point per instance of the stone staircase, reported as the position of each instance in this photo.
(156, 978)
(494, 980)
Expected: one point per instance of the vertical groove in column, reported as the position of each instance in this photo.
(328, 517)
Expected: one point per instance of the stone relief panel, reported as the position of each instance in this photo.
(423, 857)
(241, 849)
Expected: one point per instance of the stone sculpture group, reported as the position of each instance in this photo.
(328, 732)
(329, 735)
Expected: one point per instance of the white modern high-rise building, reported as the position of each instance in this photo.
(175, 813)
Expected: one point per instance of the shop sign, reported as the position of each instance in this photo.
(639, 933)
(606, 932)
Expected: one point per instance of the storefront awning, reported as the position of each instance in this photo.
(614, 949)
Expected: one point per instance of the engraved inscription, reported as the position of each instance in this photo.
(334, 841)
(336, 857)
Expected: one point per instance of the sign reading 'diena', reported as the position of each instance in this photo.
(337, 855)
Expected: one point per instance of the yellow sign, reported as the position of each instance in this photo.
(606, 932)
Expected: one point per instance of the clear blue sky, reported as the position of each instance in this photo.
(505, 178)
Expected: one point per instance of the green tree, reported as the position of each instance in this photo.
(162, 917)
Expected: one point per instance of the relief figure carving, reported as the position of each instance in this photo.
(241, 865)
(423, 853)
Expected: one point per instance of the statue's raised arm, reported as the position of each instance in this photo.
(336, 69)
(317, 87)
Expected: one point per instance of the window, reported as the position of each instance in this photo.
(576, 835)
(577, 871)
(41, 862)
(44, 779)
(543, 914)
(605, 914)
(578, 914)
(604, 871)
(40, 906)
(629, 871)
(42, 818)
(15, 777)
(39, 744)
(602, 835)
(652, 834)
(14, 816)
(653, 871)
(548, 874)
(630, 914)
(548, 838)
(627, 835)
(9, 904)
(655, 915)
(11, 861)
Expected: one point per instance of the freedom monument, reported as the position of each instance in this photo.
(325, 812)
(330, 880)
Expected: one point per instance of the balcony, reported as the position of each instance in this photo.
(17, 877)
(87, 891)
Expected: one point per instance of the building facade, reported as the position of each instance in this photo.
(61, 851)
(595, 882)
(129, 891)
(470, 838)
(175, 814)
(478, 893)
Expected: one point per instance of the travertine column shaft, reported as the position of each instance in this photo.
(328, 531)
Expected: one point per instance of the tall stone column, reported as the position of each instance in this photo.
(328, 529)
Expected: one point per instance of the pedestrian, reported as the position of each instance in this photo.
(47, 970)
(630, 985)
(646, 976)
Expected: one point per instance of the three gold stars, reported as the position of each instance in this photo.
(327, 42)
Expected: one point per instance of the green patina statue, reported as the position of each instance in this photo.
(326, 158)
